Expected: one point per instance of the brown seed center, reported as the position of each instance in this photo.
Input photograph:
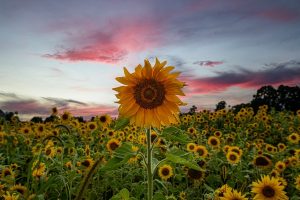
(113, 146)
(195, 174)
(268, 191)
(200, 152)
(103, 119)
(149, 93)
(232, 157)
(165, 171)
(214, 142)
(261, 161)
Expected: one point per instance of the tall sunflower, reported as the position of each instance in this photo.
(269, 189)
(149, 97)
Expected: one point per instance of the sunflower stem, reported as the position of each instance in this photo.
(149, 165)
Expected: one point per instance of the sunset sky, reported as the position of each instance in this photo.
(66, 54)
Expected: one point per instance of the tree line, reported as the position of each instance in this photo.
(280, 99)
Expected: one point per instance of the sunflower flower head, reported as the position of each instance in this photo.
(165, 172)
(149, 97)
(268, 188)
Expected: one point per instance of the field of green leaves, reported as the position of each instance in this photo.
(202, 157)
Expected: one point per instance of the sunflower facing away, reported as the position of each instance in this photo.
(269, 189)
(149, 97)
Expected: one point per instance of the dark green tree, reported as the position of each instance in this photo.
(221, 105)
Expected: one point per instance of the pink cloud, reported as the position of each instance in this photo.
(279, 74)
(113, 41)
(208, 63)
(280, 15)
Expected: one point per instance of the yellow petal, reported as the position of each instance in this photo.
(156, 122)
(171, 106)
(125, 81)
(157, 67)
(161, 116)
(129, 109)
(138, 71)
(173, 98)
(129, 76)
(140, 117)
(148, 68)
(163, 74)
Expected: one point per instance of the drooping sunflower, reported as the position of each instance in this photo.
(269, 189)
(233, 195)
(149, 97)
(165, 172)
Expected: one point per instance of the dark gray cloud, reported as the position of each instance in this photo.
(274, 74)
(208, 63)
(63, 102)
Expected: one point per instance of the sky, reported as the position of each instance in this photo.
(67, 54)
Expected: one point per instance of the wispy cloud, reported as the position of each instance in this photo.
(63, 102)
(29, 107)
(208, 63)
(275, 74)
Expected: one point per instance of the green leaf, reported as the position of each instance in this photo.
(114, 163)
(175, 135)
(121, 123)
(210, 189)
(124, 150)
(122, 195)
(160, 184)
(179, 160)
(120, 157)
(159, 196)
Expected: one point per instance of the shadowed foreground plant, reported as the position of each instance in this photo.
(87, 179)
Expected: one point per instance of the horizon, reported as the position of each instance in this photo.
(67, 55)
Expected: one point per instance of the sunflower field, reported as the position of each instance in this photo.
(208, 155)
(151, 151)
